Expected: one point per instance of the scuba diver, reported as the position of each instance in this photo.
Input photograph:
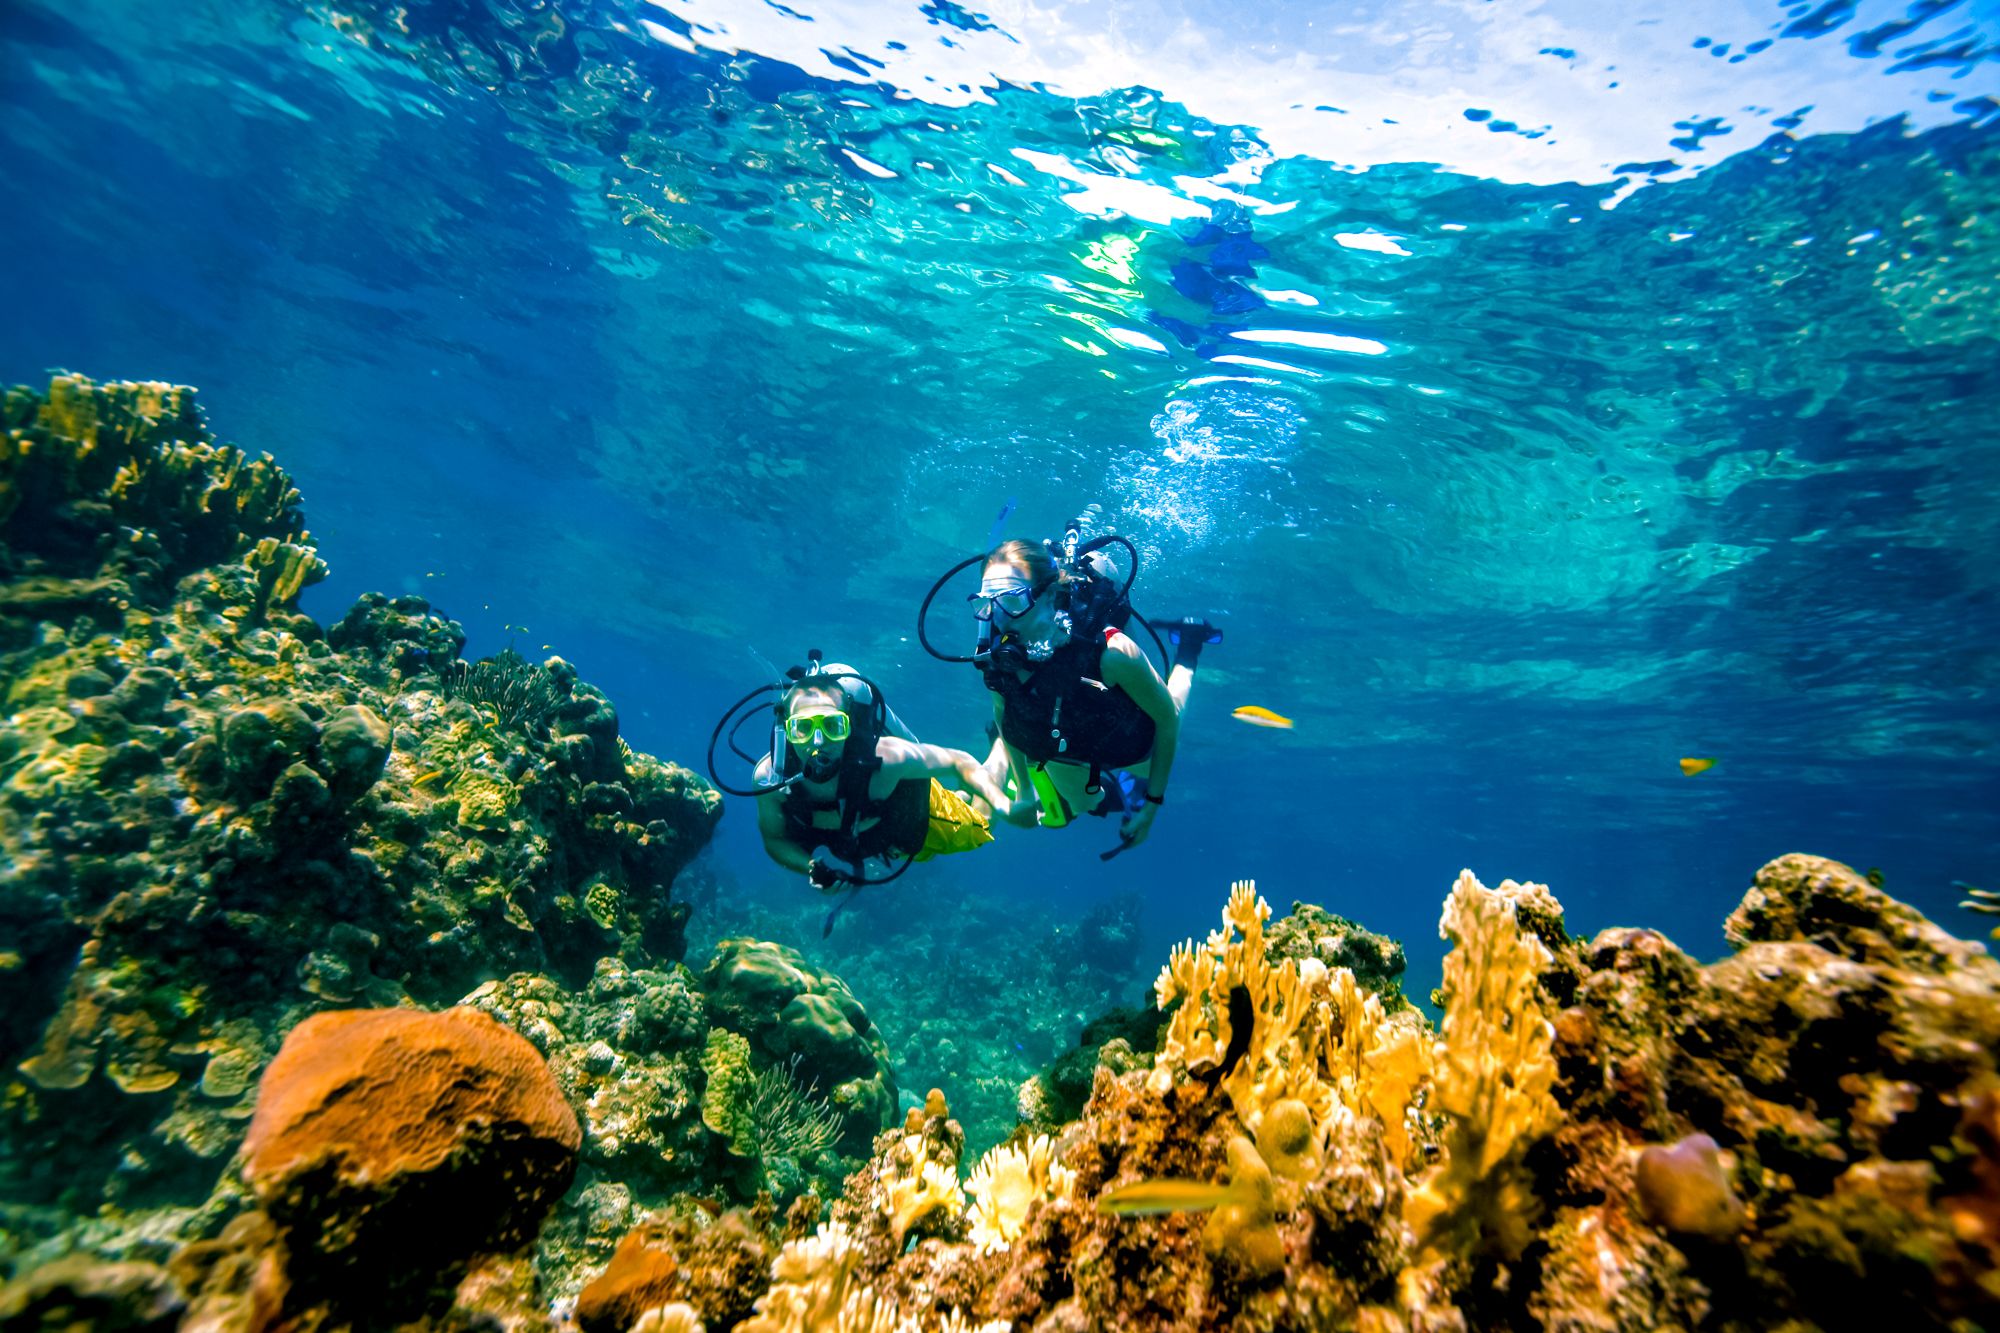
(849, 777)
(1081, 716)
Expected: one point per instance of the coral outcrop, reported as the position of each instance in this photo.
(784, 1007)
(217, 818)
(1827, 1087)
(393, 1143)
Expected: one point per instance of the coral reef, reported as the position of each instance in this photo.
(217, 818)
(221, 826)
(1750, 1144)
(982, 996)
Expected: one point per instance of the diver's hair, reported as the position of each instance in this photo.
(818, 685)
(1032, 556)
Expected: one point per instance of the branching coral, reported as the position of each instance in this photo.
(1007, 1182)
(1377, 1062)
(1293, 1035)
(1254, 1025)
(1496, 1069)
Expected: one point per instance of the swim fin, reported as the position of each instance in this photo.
(1188, 637)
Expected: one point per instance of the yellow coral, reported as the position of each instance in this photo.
(1244, 1229)
(1007, 1182)
(726, 1063)
(1376, 1063)
(1318, 1046)
(914, 1191)
(284, 569)
(1496, 1071)
(1225, 981)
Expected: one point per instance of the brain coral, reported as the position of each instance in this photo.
(398, 1143)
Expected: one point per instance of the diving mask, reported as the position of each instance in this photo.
(817, 728)
(1014, 601)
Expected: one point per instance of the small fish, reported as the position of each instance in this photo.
(1876, 877)
(1242, 1023)
(431, 776)
(1690, 767)
(999, 524)
(1165, 1195)
(1261, 717)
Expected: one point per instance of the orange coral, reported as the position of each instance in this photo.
(642, 1275)
(406, 1141)
(388, 1092)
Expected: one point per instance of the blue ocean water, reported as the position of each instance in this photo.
(1536, 395)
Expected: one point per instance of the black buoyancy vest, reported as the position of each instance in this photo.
(903, 817)
(1064, 710)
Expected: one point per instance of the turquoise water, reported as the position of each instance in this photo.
(1573, 394)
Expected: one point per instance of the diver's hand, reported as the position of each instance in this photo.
(1137, 825)
(826, 878)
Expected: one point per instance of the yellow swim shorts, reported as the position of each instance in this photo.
(955, 826)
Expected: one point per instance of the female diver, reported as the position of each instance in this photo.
(1074, 698)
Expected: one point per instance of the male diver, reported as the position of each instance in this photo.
(844, 774)
(1082, 717)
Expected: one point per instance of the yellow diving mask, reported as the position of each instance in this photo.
(817, 728)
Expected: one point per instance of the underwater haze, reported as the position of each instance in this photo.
(1537, 394)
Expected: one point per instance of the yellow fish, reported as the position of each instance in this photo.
(1166, 1195)
(1261, 717)
(1693, 766)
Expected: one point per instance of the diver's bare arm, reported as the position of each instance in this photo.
(1020, 809)
(1127, 668)
(902, 760)
(771, 827)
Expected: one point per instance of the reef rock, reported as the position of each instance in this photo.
(626, 1051)
(1834, 1068)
